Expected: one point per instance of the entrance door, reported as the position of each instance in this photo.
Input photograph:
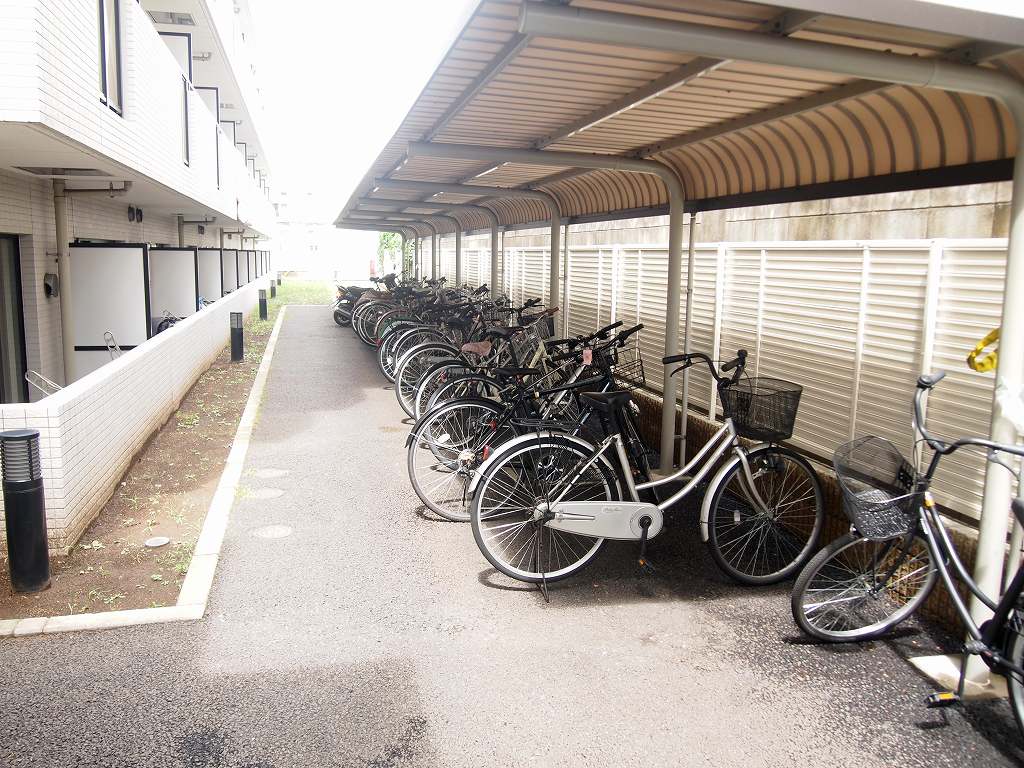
(13, 388)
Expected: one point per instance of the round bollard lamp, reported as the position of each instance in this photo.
(263, 304)
(28, 556)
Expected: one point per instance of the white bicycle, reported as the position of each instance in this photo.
(544, 503)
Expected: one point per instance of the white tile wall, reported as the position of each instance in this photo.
(49, 65)
(91, 430)
(26, 210)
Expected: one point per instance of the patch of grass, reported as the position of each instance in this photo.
(188, 420)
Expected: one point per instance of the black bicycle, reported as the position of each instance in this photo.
(865, 583)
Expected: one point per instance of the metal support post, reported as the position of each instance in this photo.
(67, 327)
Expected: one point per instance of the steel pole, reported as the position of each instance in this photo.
(675, 241)
(622, 29)
(430, 187)
(67, 326)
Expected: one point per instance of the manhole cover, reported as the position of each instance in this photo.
(272, 532)
(265, 493)
(269, 474)
(157, 541)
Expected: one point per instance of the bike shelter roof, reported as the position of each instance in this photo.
(736, 132)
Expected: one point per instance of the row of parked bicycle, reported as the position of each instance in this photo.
(535, 441)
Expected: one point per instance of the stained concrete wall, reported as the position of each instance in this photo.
(978, 210)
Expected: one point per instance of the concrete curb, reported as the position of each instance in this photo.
(195, 589)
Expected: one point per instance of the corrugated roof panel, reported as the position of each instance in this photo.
(726, 127)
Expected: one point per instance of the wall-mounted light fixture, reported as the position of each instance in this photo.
(131, 213)
(51, 285)
(138, 214)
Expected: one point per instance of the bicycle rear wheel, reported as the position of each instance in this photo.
(446, 448)
(506, 525)
(412, 365)
(458, 386)
(857, 589)
(764, 546)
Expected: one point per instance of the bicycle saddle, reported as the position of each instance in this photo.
(608, 402)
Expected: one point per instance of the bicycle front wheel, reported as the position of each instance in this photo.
(507, 525)
(1014, 632)
(857, 589)
(763, 545)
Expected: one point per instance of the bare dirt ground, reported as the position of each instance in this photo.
(166, 492)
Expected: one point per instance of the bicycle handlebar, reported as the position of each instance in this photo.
(737, 364)
(740, 359)
(925, 383)
(621, 336)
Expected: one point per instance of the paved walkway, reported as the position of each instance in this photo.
(373, 636)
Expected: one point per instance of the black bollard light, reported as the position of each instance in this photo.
(279, 281)
(273, 289)
(28, 557)
(237, 352)
(263, 304)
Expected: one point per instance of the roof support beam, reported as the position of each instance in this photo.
(515, 44)
(678, 76)
(784, 24)
(622, 29)
(401, 205)
(675, 244)
(435, 188)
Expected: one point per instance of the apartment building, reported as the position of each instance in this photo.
(134, 184)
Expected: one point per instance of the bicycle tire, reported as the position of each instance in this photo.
(441, 478)
(863, 615)
(494, 490)
(1014, 652)
(412, 365)
(734, 523)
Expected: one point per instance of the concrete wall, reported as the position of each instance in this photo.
(979, 210)
(91, 430)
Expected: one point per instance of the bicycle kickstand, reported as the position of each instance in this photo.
(646, 567)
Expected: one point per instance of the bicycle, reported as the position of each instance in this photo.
(544, 503)
(879, 574)
(452, 440)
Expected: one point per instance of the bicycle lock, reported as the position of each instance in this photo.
(28, 556)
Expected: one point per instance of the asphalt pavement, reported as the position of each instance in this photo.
(349, 628)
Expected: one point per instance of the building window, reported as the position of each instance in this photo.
(110, 53)
(184, 120)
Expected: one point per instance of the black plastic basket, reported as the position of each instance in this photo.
(879, 487)
(762, 409)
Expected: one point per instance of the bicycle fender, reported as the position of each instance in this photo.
(506, 447)
(705, 505)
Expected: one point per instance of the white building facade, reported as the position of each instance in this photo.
(129, 139)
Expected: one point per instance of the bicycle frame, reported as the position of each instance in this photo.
(985, 638)
(722, 442)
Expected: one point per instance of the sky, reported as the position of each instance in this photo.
(337, 77)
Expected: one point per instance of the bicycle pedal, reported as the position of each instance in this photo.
(646, 568)
(941, 699)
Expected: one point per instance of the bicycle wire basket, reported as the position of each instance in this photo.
(526, 342)
(879, 487)
(762, 408)
(544, 324)
(627, 365)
